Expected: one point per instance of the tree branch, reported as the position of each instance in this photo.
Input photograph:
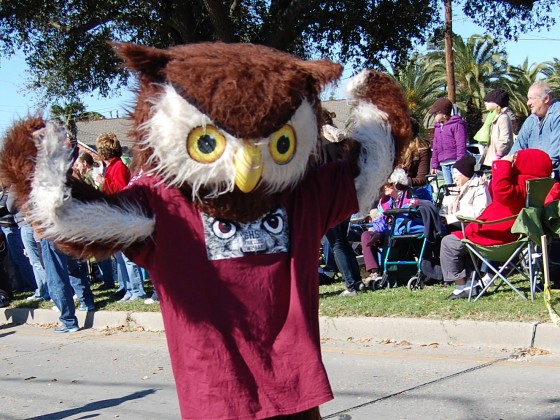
(220, 19)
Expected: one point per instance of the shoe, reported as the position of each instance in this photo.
(75, 297)
(325, 279)
(4, 301)
(127, 296)
(486, 279)
(133, 298)
(119, 294)
(106, 286)
(34, 298)
(463, 294)
(371, 279)
(347, 293)
(85, 308)
(55, 308)
(64, 329)
(149, 301)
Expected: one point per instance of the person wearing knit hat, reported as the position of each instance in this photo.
(471, 193)
(450, 138)
(441, 106)
(501, 129)
(499, 97)
(466, 165)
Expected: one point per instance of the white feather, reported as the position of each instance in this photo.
(167, 131)
(172, 120)
(370, 126)
(66, 219)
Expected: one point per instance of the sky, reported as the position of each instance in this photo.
(15, 103)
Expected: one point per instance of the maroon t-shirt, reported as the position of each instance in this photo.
(240, 301)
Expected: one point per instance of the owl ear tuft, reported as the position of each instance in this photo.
(150, 62)
(323, 72)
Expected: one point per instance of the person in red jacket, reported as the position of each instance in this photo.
(509, 192)
(117, 174)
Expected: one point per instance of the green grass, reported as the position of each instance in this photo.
(103, 301)
(429, 302)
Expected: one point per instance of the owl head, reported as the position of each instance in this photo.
(218, 120)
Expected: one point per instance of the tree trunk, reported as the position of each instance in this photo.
(450, 70)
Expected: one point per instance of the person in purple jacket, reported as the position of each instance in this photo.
(450, 138)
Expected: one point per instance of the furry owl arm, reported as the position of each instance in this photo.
(79, 219)
(380, 122)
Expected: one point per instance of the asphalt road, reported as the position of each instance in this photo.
(120, 374)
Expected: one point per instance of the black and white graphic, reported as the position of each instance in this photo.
(266, 235)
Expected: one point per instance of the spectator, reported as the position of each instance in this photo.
(116, 178)
(83, 169)
(117, 174)
(372, 239)
(16, 252)
(416, 162)
(541, 130)
(471, 195)
(30, 243)
(5, 286)
(501, 129)
(509, 192)
(450, 138)
(337, 236)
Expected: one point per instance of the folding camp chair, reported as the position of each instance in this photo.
(529, 226)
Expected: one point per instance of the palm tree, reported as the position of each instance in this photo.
(420, 86)
(519, 80)
(479, 63)
(72, 112)
(552, 73)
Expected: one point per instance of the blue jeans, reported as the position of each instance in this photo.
(58, 282)
(77, 273)
(130, 278)
(344, 255)
(23, 270)
(447, 170)
(106, 268)
(30, 244)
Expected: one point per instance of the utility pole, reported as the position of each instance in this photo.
(449, 67)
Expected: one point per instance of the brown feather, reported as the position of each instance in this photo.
(17, 158)
(248, 90)
(387, 95)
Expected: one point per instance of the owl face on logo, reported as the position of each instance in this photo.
(225, 239)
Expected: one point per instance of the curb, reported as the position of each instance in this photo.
(454, 332)
(421, 331)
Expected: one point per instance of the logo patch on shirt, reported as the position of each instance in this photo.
(226, 239)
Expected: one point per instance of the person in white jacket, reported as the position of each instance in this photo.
(501, 129)
(471, 195)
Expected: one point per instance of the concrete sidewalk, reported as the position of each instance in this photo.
(423, 331)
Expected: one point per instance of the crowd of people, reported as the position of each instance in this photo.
(35, 265)
(495, 191)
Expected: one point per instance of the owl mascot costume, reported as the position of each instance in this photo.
(225, 210)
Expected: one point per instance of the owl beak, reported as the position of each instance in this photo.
(248, 168)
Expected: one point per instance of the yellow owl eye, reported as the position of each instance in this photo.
(205, 144)
(282, 145)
